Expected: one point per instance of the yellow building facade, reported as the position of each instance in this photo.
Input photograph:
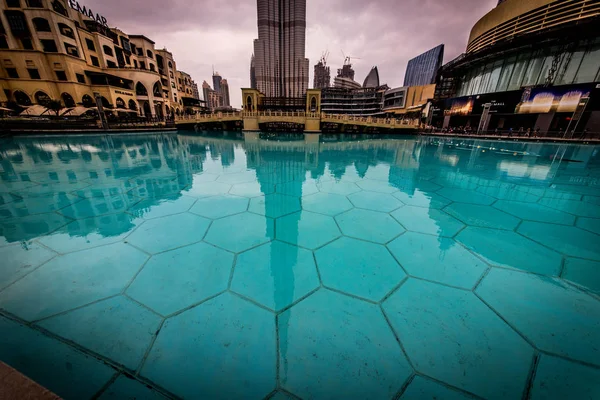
(61, 50)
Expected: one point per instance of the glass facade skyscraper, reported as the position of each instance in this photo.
(422, 69)
(280, 66)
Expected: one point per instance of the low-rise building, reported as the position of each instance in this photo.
(58, 50)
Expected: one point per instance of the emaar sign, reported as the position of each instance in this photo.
(88, 12)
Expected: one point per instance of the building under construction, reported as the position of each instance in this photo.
(322, 78)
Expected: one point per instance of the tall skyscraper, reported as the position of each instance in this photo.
(252, 73)
(423, 69)
(322, 77)
(216, 81)
(225, 93)
(281, 68)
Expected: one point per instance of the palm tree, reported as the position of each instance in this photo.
(54, 105)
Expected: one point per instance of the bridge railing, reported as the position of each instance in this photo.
(369, 120)
(208, 117)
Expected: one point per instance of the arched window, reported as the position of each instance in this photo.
(66, 30)
(170, 65)
(157, 90)
(135, 64)
(41, 25)
(105, 102)
(22, 99)
(313, 104)
(59, 8)
(41, 98)
(149, 54)
(147, 111)
(249, 103)
(87, 100)
(152, 68)
(108, 50)
(120, 102)
(132, 105)
(140, 89)
(68, 100)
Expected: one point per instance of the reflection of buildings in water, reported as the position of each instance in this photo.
(110, 174)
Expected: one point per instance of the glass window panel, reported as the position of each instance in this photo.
(546, 65)
(507, 70)
(589, 66)
(485, 78)
(494, 76)
(475, 81)
(533, 71)
(519, 72)
(566, 76)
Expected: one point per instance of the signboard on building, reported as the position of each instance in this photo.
(553, 99)
(88, 12)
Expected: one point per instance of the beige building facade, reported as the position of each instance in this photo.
(60, 50)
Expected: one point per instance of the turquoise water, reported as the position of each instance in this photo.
(143, 266)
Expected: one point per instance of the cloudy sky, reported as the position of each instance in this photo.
(386, 33)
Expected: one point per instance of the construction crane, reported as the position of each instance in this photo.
(324, 57)
(348, 59)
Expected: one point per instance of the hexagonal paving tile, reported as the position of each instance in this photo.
(236, 342)
(534, 212)
(22, 207)
(566, 239)
(275, 205)
(342, 188)
(20, 259)
(6, 198)
(166, 233)
(363, 269)
(592, 199)
(297, 188)
(153, 208)
(437, 259)
(369, 225)
(589, 224)
(238, 177)
(275, 274)
(31, 227)
(554, 316)
(484, 216)
(117, 328)
(585, 273)
(422, 199)
(457, 181)
(466, 196)
(204, 177)
(97, 207)
(575, 207)
(368, 360)
(326, 203)
(509, 249)
(125, 387)
(57, 366)
(430, 221)
(376, 186)
(207, 189)
(91, 232)
(220, 206)
(450, 335)
(177, 279)
(423, 388)
(252, 189)
(508, 192)
(556, 378)
(73, 280)
(306, 229)
(240, 232)
(375, 201)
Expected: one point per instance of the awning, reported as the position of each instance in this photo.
(6, 109)
(415, 107)
(35, 111)
(77, 111)
(124, 110)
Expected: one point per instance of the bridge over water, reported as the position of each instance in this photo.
(312, 122)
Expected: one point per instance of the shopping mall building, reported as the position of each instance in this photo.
(529, 64)
(61, 50)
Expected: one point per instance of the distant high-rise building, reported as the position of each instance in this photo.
(195, 92)
(372, 80)
(346, 71)
(216, 81)
(225, 93)
(322, 77)
(423, 69)
(252, 73)
(281, 69)
(206, 89)
(345, 77)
